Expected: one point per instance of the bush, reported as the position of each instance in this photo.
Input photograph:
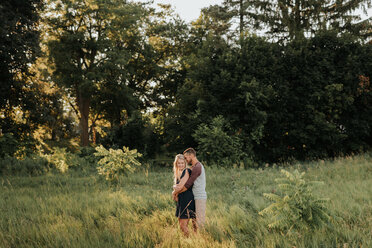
(216, 145)
(63, 160)
(31, 165)
(13, 146)
(296, 206)
(116, 162)
(87, 152)
(59, 159)
(8, 145)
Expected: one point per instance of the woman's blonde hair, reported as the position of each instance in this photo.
(176, 172)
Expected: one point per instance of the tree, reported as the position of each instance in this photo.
(91, 43)
(223, 79)
(248, 12)
(168, 36)
(318, 109)
(19, 47)
(288, 20)
(299, 18)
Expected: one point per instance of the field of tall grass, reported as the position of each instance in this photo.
(78, 209)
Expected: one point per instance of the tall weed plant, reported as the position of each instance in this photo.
(116, 162)
(296, 206)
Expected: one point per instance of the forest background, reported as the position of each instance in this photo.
(253, 81)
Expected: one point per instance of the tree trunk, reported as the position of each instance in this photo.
(241, 17)
(93, 135)
(84, 105)
(298, 25)
(54, 134)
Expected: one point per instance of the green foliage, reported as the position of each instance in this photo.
(19, 47)
(225, 80)
(137, 133)
(296, 206)
(216, 143)
(87, 152)
(8, 145)
(23, 104)
(63, 160)
(314, 112)
(296, 19)
(248, 13)
(59, 159)
(112, 61)
(115, 163)
(92, 51)
(33, 165)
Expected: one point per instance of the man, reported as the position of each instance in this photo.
(198, 179)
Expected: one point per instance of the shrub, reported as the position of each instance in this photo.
(87, 152)
(63, 160)
(116, 162)
(59, 159)
(216, 144)
(30, 165)
(8, 145)
(296, 206)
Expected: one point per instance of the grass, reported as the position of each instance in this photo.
(82, 210)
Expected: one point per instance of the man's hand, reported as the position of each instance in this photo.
(177, 188)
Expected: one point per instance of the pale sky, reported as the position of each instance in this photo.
(188, 10)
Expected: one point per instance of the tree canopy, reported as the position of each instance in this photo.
(262, 80)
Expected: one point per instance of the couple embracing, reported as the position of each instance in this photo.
(189, 190)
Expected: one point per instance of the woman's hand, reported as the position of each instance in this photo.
(174, 196)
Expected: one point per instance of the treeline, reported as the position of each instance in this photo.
(247, 81)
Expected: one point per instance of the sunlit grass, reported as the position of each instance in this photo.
(77, 210)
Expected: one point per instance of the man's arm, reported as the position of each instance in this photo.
(196, 171)
(181, 183)
(179, 190)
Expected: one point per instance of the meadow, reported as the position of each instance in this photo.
(81, 209)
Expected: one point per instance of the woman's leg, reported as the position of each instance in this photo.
(184, 226)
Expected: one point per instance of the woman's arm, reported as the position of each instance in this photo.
(184, 179)
(181, 184)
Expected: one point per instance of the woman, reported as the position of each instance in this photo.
(185, 200)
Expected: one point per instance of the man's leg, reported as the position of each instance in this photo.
(200, 207)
